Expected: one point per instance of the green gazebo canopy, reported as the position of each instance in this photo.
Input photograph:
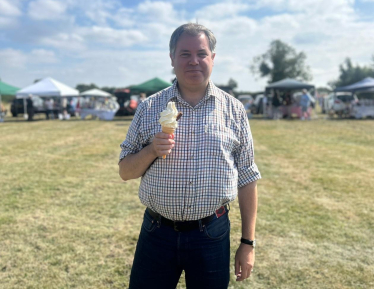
(152, 85)
(6, 89)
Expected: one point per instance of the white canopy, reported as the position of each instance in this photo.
(96, 92)
(47, 87)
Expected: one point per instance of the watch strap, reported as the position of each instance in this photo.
(248, 242)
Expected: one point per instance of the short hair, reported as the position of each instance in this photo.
(192, 29)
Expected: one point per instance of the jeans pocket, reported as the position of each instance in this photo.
(149, 224)
(217, 228)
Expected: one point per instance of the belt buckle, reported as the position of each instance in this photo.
(175, 227)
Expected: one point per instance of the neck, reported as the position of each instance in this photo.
(192, 95)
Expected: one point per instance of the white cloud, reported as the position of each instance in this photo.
(221, 10)
(7, 21)
(307, 6)
(64, 41)
(46, 9)
(124, 17)
(156, 11)
(97, 11)
(9, 9)
(106, 35)
(43, 56)
(12, 59)
(111, 43)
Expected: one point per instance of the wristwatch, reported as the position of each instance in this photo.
(249, 242)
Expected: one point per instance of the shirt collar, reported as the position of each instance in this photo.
(211, 90)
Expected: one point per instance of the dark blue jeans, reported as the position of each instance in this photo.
(162, 254)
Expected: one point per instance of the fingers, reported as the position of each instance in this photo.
(163, 143)
(162, 135)
(237, 268)
(244, 273)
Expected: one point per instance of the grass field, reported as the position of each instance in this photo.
(67, 220)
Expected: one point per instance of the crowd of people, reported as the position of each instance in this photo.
(285, 104)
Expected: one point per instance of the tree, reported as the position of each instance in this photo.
(350, 74)
(322, 89)
(109, 89)
(281, 61)
(83, 87)
(232, 83)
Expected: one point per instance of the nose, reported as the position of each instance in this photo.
(194, 60)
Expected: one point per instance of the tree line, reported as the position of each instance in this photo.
(283, 61)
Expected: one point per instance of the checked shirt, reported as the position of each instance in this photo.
(213, 154)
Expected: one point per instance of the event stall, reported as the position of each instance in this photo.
(288, 84)
(364, 106)
(5, 89)
(98, 103)
(284, 86)
(151, 86)
(49, 88)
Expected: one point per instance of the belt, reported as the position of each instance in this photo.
(183, 226)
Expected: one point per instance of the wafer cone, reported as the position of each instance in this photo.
(168, 130)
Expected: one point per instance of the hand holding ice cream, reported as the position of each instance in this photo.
(169, 119)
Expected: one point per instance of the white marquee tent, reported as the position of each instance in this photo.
(47, 87)
(96, 92)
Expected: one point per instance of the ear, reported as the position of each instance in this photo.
(213, 55)
(172, 60)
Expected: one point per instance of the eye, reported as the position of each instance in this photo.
(185, 55)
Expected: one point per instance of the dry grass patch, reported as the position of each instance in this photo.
(67, 221)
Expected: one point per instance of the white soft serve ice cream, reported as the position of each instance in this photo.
(168, 117)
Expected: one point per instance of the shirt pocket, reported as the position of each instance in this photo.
(220, 139)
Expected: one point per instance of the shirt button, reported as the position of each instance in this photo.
(190, 183)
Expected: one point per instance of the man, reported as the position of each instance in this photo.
(305, 103)
(48, 108)
(30, 108)
(209, 162)
(276, 103)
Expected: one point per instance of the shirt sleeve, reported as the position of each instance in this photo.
(244, 155)
(134, 141)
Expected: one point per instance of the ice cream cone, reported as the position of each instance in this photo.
(168, 130)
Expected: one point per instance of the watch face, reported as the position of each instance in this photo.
(254, 243)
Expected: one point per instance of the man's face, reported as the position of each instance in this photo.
(193, 61)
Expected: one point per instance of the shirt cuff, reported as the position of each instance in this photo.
(248, 175)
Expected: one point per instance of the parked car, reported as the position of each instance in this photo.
(257, 104)
(364, 107)
(339, 104)
(17, 106)
(246, 100)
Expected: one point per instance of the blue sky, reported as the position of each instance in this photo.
(118, 43)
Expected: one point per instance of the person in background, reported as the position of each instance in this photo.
(209, 162)
(48, 108)
(64, 106)
(142, 98)
(276, 103)
(287, 101)
(30, 108)
(305, 104)
(265, 110)
(2, 112)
